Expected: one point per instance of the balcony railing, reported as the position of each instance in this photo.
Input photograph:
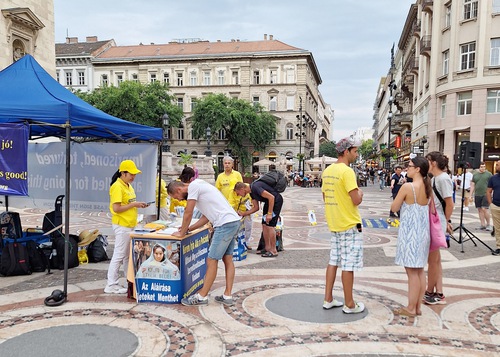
(425, 45)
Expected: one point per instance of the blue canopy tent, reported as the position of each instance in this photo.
(28, 94)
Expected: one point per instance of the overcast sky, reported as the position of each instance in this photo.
(350, 40)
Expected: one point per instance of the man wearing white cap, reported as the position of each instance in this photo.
(342, 197)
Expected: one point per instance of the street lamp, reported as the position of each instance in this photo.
(392, 87)
(208, 134)
(166, 121)
(300, 134)
(164, 148)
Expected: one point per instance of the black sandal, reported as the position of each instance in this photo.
(269, 255)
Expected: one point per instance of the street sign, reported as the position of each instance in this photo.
(419, 149)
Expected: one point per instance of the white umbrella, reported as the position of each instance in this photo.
(264, 162)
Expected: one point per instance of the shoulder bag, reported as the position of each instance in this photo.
(438, 240)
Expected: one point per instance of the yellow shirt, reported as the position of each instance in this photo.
(123, 193)
(225, 183)
(239, 203)
(163, 193)
(176, 203)
(341, 214)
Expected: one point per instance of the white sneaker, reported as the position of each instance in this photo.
(466, 209)
(334, 303)
(489, 228)
(115, 289)
(358, 307)
(124, 285)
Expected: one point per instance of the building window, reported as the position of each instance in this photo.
(81, 78)
(467, 56)
(180, 103)
(470, 9)
(446, 62)
(206, 78)
(464, 103)
(135, 78)
(58, 77)
(273, 103)
(166, 78)
(104, 80)
(119, 78)
(69, 78)
(273, 76)
(447, 16)
(235, 77)
(222, 134)
(255, 100)
(495, 7)
(290, 102)
(256, 77)
(152, 77)
(180, 79)
(180, 132)
(193, 78)
(289, 131)
(495, 52)
(290, 75)
(220, 77)
(493, 101)
(443, 107)
(193, 103)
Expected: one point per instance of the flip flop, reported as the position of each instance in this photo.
(403, 312)
(269, 255)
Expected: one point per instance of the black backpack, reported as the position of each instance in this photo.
(10, 226)
(96, 251)
(57, 260)
(15, 260)
(38, 260)
(275, 179)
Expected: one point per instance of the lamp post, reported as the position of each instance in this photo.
(208, 134)
(392, 87)
(164, 148)
(300, 134)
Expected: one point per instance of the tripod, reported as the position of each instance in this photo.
(461, 228)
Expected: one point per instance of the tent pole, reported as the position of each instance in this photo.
(66, 208)
(160, 159)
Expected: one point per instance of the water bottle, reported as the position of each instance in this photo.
(447, 239)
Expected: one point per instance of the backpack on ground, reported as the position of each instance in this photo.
(10, 226)
(96, 251)
(38, 260)
(275, 179)
(57, 259)
(15, 260)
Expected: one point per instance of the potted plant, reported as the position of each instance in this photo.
(247, 177)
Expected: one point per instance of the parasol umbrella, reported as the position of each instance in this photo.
(264, 162)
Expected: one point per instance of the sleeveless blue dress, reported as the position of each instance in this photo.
(413, 244)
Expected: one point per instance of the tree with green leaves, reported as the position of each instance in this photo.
(244, 124)
(366, 149)
(136, 102)
(328, 149)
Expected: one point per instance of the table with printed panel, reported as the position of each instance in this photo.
(178, 275)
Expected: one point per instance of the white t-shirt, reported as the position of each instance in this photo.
(444, 186)
(468, 179)
(211, 203)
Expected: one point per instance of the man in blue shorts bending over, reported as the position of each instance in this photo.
(215, 209)
(342, 197)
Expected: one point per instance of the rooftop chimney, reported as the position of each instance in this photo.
(91, 39)
(265, 37)
(71, 40)
(271, 37)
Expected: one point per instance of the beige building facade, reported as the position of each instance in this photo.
(447, 69)
(282, 78)
(27, 27)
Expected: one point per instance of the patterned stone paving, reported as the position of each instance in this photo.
(469, 325)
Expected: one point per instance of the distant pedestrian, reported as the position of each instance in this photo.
(397, 180)
(342, 197)
(493, 196)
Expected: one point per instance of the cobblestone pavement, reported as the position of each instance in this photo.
(468, 325)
